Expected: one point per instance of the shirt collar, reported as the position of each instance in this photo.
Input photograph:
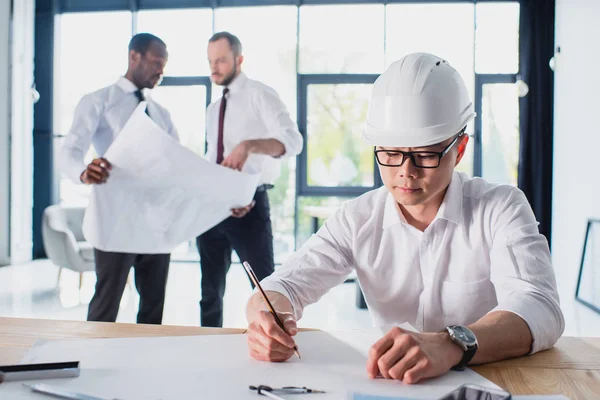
(392, 214)
(237, 83)
(450, 209)
(126, 85)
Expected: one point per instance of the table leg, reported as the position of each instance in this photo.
(314, 224)
(360, 299)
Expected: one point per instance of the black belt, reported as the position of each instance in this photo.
(264, 187)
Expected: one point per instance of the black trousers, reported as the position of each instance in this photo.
(252, 239)
(151, 272)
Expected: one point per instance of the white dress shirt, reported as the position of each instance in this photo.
(482, 252)
(98, 119)
(254, 111)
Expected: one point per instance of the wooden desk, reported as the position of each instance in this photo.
(571, 368)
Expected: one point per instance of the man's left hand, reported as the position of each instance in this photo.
(240, 212)
(238, 156)
(411, 357)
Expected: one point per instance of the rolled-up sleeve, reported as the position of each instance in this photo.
(324, 262)
(279, 124)
(522, 273)
(79, 138)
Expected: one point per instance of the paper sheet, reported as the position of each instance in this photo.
(362, 396)
(159, 193)
(218, 367)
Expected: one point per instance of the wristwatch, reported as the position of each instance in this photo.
(466, 340)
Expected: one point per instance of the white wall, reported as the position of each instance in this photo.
(21, 214)
(576, 190)
(4, 131)
(16, 129)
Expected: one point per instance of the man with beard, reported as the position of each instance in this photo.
(98, 119)
(248, 129)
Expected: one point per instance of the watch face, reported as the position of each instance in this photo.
(464, 335)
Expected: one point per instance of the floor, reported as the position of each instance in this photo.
(30, 290)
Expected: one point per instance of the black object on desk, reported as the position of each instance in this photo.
(21, 372)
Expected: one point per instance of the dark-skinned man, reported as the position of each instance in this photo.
(99, 117)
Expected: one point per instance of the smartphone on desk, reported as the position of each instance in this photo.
(476, 392)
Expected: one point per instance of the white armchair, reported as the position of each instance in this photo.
(63, 240)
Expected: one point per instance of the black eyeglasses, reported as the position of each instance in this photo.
(420, 159)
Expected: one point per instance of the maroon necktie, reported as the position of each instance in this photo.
(220, 147)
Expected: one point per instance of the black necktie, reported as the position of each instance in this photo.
(138, 93)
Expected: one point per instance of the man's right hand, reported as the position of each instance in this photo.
(96, 172)
(267, 341)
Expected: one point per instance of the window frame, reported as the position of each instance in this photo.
(302, 186)
(480, 80)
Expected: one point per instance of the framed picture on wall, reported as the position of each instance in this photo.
(588, 284)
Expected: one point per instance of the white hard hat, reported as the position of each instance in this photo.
(420, 100)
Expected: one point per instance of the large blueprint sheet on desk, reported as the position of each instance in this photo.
(219, 367)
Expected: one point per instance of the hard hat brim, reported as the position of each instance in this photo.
(423, 137)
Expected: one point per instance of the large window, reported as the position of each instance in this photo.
(185, 33)
(85, 64)
(341, 39)
(497, 53)
(322, 60)
(496, 66)
(336, 154)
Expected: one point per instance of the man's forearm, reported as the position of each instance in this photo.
(270, 147)
(501, 335)
(256, 303)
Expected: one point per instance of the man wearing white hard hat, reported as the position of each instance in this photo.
(458, 258)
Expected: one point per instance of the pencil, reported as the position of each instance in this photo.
(254, 280)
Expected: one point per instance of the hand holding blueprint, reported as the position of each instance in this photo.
(159, 193)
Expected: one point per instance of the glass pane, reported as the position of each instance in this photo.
(270, 57)
(312, 212)
(341, 39)
(269, 54)
(337, 155)
(500, 133)
(282, 201)
(187, 106)
(497, 38)
(186, 33)
(446, 30)
(84, 68)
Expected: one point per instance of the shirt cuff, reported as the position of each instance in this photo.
(75, 171)
(288, 146)
(278, 287)
(545, 328)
